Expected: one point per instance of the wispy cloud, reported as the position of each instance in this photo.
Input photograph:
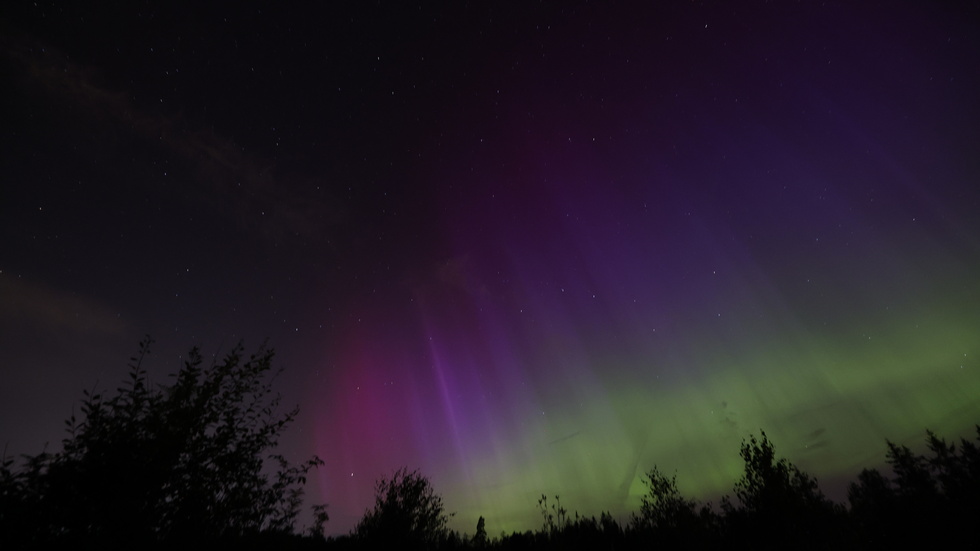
(28, 303)
(242, 185)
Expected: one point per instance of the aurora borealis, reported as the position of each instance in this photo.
(527, 250)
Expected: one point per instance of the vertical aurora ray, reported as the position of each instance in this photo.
(569, 361)
(650, 281)
(532, 250)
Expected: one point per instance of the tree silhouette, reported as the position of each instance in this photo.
(929, 500)
(407, 514)
(666, 518)
(480, 539)
(663, 507)
(164, 463)
(778, 503)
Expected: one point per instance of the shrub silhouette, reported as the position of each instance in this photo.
(556, 518)
(163, 463)
(407, 514)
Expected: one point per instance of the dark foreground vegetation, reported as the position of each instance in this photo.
(190, 464)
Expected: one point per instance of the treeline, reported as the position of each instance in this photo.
(191, 464)
(928, 500)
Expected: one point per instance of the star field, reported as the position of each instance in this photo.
(526, 249)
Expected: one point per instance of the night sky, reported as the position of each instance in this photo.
(532, 248)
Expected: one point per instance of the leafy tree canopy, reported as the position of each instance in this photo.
(927, 494)
(407, 514)
(163, 463)
(664, 508)
(774, 486)
(779, 505)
